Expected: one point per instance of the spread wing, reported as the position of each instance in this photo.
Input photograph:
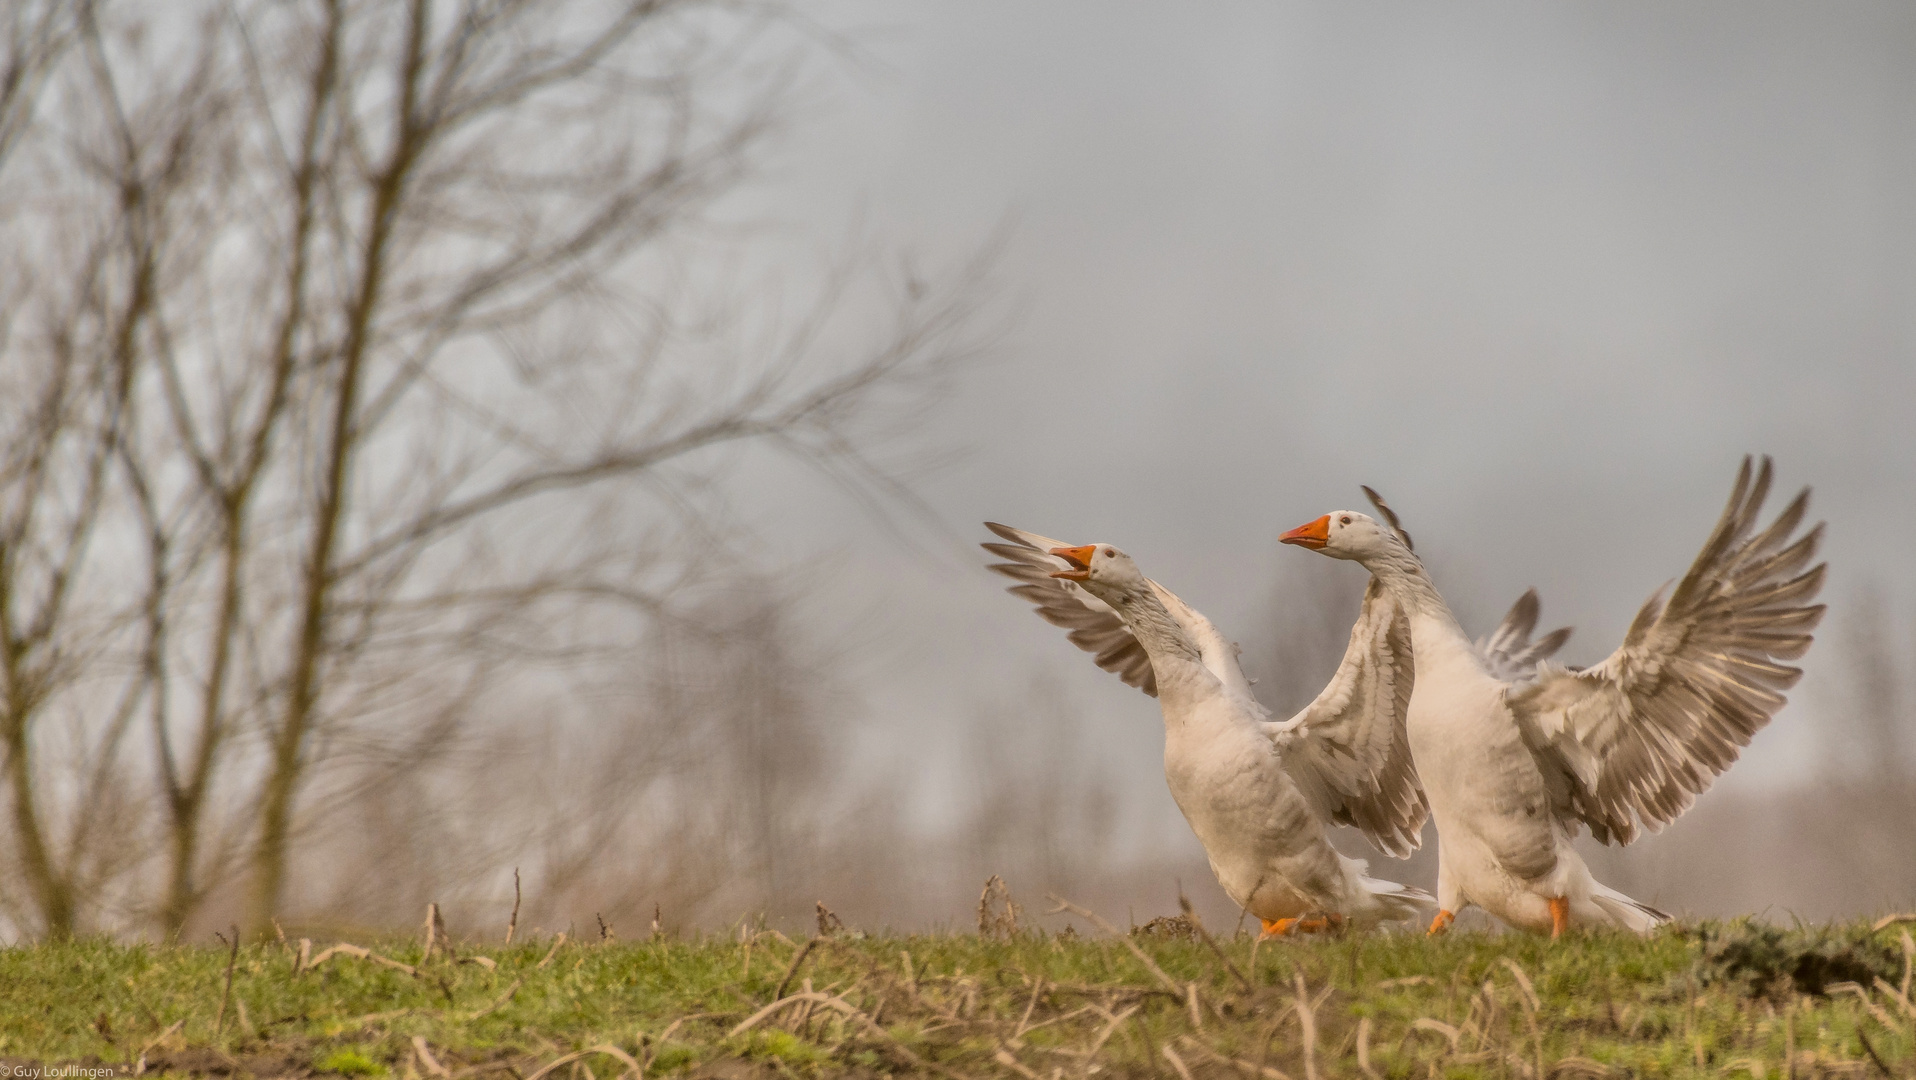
(1347, 750)
(1093, 626)
(1509, 653)
(1640, 735)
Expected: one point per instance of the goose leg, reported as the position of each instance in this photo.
(1559, 916)
(1450, 899)
(1288, 927)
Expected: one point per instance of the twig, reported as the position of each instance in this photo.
(1110, 1029)
(1170, 1055)
(603, 1048)
(1149, 965)
(1184, 904)
(1191, 1003)
(426, 1059)
(156, 1040)
(512, 924)
(550, 953)
(792, 968)
(304, 959)
(232, 961)
(1010, 1061)
(1307, 1028)
(1888, 921)
(1037, 991)
(435, 929)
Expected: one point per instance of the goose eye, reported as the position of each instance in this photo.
(1110, 554)
(1345, 520)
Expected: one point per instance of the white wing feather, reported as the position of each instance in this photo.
(1639, 736)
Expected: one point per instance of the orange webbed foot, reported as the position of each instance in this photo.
(1441, 923)
(1279, 927)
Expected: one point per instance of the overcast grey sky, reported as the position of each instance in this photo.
(1540, 273)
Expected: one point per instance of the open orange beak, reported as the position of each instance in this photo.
(1080, 560)
(1313, 535)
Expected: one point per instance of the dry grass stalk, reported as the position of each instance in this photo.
(1149, 965)
(1113, 1023)
(1451, 1034)
(500, 1003)
(1874, 1057)
(1897, 996)
(1170, 1055)
(434, 934)
(1363, 1051)
(552, 952)
(1789, 1040)
(1307, 1028)
(1239, 1065)
(429, 1064)
(358, 952)
(1888, 921)
(1184, 904)
(1909, 960)
(1862, 995)
(1523, 983)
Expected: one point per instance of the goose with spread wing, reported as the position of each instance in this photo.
(1514, 766)
(1262, 828)
(1260, 815)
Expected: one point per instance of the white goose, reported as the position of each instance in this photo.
(1512, 768)
(1260, 815)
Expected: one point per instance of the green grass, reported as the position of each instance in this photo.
(1691, 1001)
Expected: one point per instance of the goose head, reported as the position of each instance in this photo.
(1345, 534)
(1100, 568)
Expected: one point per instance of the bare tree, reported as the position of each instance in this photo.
(410, 378)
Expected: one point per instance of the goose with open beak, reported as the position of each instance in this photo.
(1515, 765)
(1258, 794)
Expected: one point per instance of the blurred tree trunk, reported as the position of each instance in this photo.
(388, 349)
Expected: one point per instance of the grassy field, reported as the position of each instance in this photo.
(1700, 999)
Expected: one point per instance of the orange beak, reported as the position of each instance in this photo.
(1313, 535)
(1080, 560)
